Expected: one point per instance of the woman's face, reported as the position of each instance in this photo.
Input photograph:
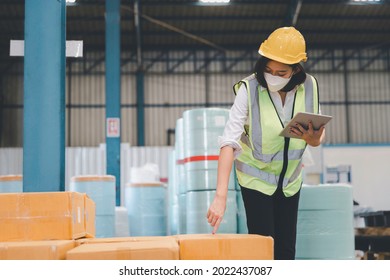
(278, 69)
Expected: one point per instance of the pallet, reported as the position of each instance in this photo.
(376, 256)
(373, 231)
(374, 242)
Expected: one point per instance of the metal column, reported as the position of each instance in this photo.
(1, 111)
(140, 78)
(140, 108)
(113, 92)
(44, 96)
(346, 96)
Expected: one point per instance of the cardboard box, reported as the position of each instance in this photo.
(36, 250)
(163, 249)
(44, 216)
(89, 217)
(225, 247)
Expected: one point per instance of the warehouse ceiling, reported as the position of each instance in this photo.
(243, 24)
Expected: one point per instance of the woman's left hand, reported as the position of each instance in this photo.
(311, 136)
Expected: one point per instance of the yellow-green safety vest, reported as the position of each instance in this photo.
(269, 161)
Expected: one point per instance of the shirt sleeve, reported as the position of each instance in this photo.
(234, 127)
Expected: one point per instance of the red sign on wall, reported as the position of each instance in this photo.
(113, 126)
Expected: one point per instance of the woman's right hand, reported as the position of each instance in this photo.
(216, 212)
(218, 206)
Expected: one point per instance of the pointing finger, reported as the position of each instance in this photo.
(214, 220)
(217, 225)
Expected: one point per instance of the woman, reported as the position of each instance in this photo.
(268, 166)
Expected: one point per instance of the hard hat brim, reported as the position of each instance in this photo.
(281, 60)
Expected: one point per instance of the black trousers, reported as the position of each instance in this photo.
(274, 216)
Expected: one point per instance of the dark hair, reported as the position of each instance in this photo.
(298, 78)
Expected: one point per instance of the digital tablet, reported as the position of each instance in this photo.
(303, 119)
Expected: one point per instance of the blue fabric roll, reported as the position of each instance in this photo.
(200, 165)
(205, 179)
(148, 225)
(202, 141)
(181, 179)
(325, 223)
(105, 226)
(236, 184)
(201, 129)
(182, 213)
(173, 200)
(198, 203)
(146, 207)
(179, 139)
(179, 155)
(325, 197)
(101, 189)
(205, 118)
(11, 184)
(241, 215)
(325, 247)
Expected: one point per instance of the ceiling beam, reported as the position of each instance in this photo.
(84, 35)
(157, 3)
(146, 3)
(213, 18)
(293, 11)
(231, 47)
(159, 33)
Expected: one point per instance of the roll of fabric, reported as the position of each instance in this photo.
(104, 226)
(197, 204)
(179, 154)
(182, 213)
(172, 197)
(201, 130)
(101, 189)
(11, 183)
(202, 127)
(241, 215)
(121, 222)
(146, 208)
(236, 184)
(325, 228)
(202, 175)
(181, 178)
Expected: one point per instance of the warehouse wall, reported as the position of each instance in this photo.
(353, 88)
(369, 171)
(370, 182)
(11, 113)
(92, 161)
(355, 92)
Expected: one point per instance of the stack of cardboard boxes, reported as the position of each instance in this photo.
(176, 247)
(44, 225)
(61, 226)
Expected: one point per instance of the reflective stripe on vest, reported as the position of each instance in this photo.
(265, 176)
(257, 136)
(292, 154)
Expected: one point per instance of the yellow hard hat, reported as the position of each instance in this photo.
(285, 45)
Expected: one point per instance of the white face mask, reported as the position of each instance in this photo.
(275, 83)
